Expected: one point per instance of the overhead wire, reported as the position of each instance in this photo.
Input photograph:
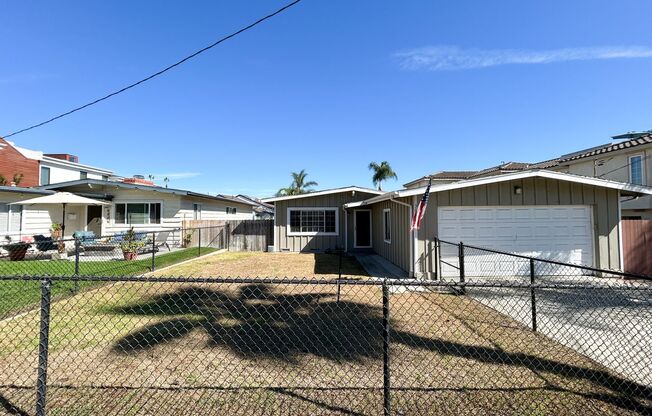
(156, 74)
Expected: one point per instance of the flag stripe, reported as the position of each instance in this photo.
(421, 209)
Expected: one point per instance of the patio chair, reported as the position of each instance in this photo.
(85, 238)
(162, 240)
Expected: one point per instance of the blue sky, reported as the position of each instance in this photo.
(328, 86)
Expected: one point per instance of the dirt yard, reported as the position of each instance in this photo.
(251, 264)
(180, 348)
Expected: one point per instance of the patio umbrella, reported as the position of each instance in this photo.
(63, 198)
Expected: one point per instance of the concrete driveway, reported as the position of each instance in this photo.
(611, 323)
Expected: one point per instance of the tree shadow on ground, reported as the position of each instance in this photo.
(254, 322)
(328, 263)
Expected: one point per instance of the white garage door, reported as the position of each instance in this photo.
(561, 233)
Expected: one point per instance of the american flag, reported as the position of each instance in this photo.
(421, 209)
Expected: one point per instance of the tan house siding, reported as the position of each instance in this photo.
(535, 191)
(615, 166)
(283, 242)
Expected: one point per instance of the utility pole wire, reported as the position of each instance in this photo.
(161, 72)
(622, 167)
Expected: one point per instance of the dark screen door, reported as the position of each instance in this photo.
(363, 228)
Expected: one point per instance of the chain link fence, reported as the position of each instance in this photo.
(121, 254)
(124, 253)
(172, 345)
(580, 305)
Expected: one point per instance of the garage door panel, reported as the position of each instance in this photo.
(560, 233)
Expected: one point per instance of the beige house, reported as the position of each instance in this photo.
(540, 213)
(625, 161)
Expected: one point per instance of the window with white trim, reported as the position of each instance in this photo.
(45, 176)
(196, 211)
(10, 218)
(387, 225)
(231, 210)
(636, 170)
(135, 213)
(312, 221)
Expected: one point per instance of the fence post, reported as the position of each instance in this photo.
(339, 273)
(76, 275)
(533, 297)
(436, 262)
(199, 245)
(386, 373)
(153, 250)
(461, 266)
(43, 346)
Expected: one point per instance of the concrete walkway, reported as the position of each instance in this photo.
(379, 267)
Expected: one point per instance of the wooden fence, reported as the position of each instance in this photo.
(242, 235)
(637, 246)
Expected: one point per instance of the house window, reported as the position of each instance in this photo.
(138, 213)
(196, 211)
(105, 177)
(83, 175)
(312, 221)
(231, 210)
(636, 170)
(45, 175)
(387, 225)
(10, 218)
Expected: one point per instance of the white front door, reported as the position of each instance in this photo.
(560, 233)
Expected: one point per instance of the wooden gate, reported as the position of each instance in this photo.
(637, 246)
(238, 235)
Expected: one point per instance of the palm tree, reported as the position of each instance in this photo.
(166, 180)
(299, 184)
(382, 172)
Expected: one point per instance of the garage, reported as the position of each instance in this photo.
(541, 214)
(561, 233)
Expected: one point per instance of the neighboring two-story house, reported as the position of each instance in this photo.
(26, 168)
(22, 170)
(627, 160)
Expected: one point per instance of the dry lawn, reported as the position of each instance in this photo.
(179, 348)
(252, 264)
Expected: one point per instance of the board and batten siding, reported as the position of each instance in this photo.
(534, 191)
(284, 242)
(398, 249)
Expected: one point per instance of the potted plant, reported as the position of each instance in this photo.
(187, 238)
(16, 250)
(57, 234)
(131, 244)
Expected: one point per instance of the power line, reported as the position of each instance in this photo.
(156, 74)
(622, 167)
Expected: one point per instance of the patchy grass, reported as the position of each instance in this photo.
(256, 264)
(179, 348)
(15, 295)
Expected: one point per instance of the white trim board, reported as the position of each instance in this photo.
(622, 186)
(324, 192)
